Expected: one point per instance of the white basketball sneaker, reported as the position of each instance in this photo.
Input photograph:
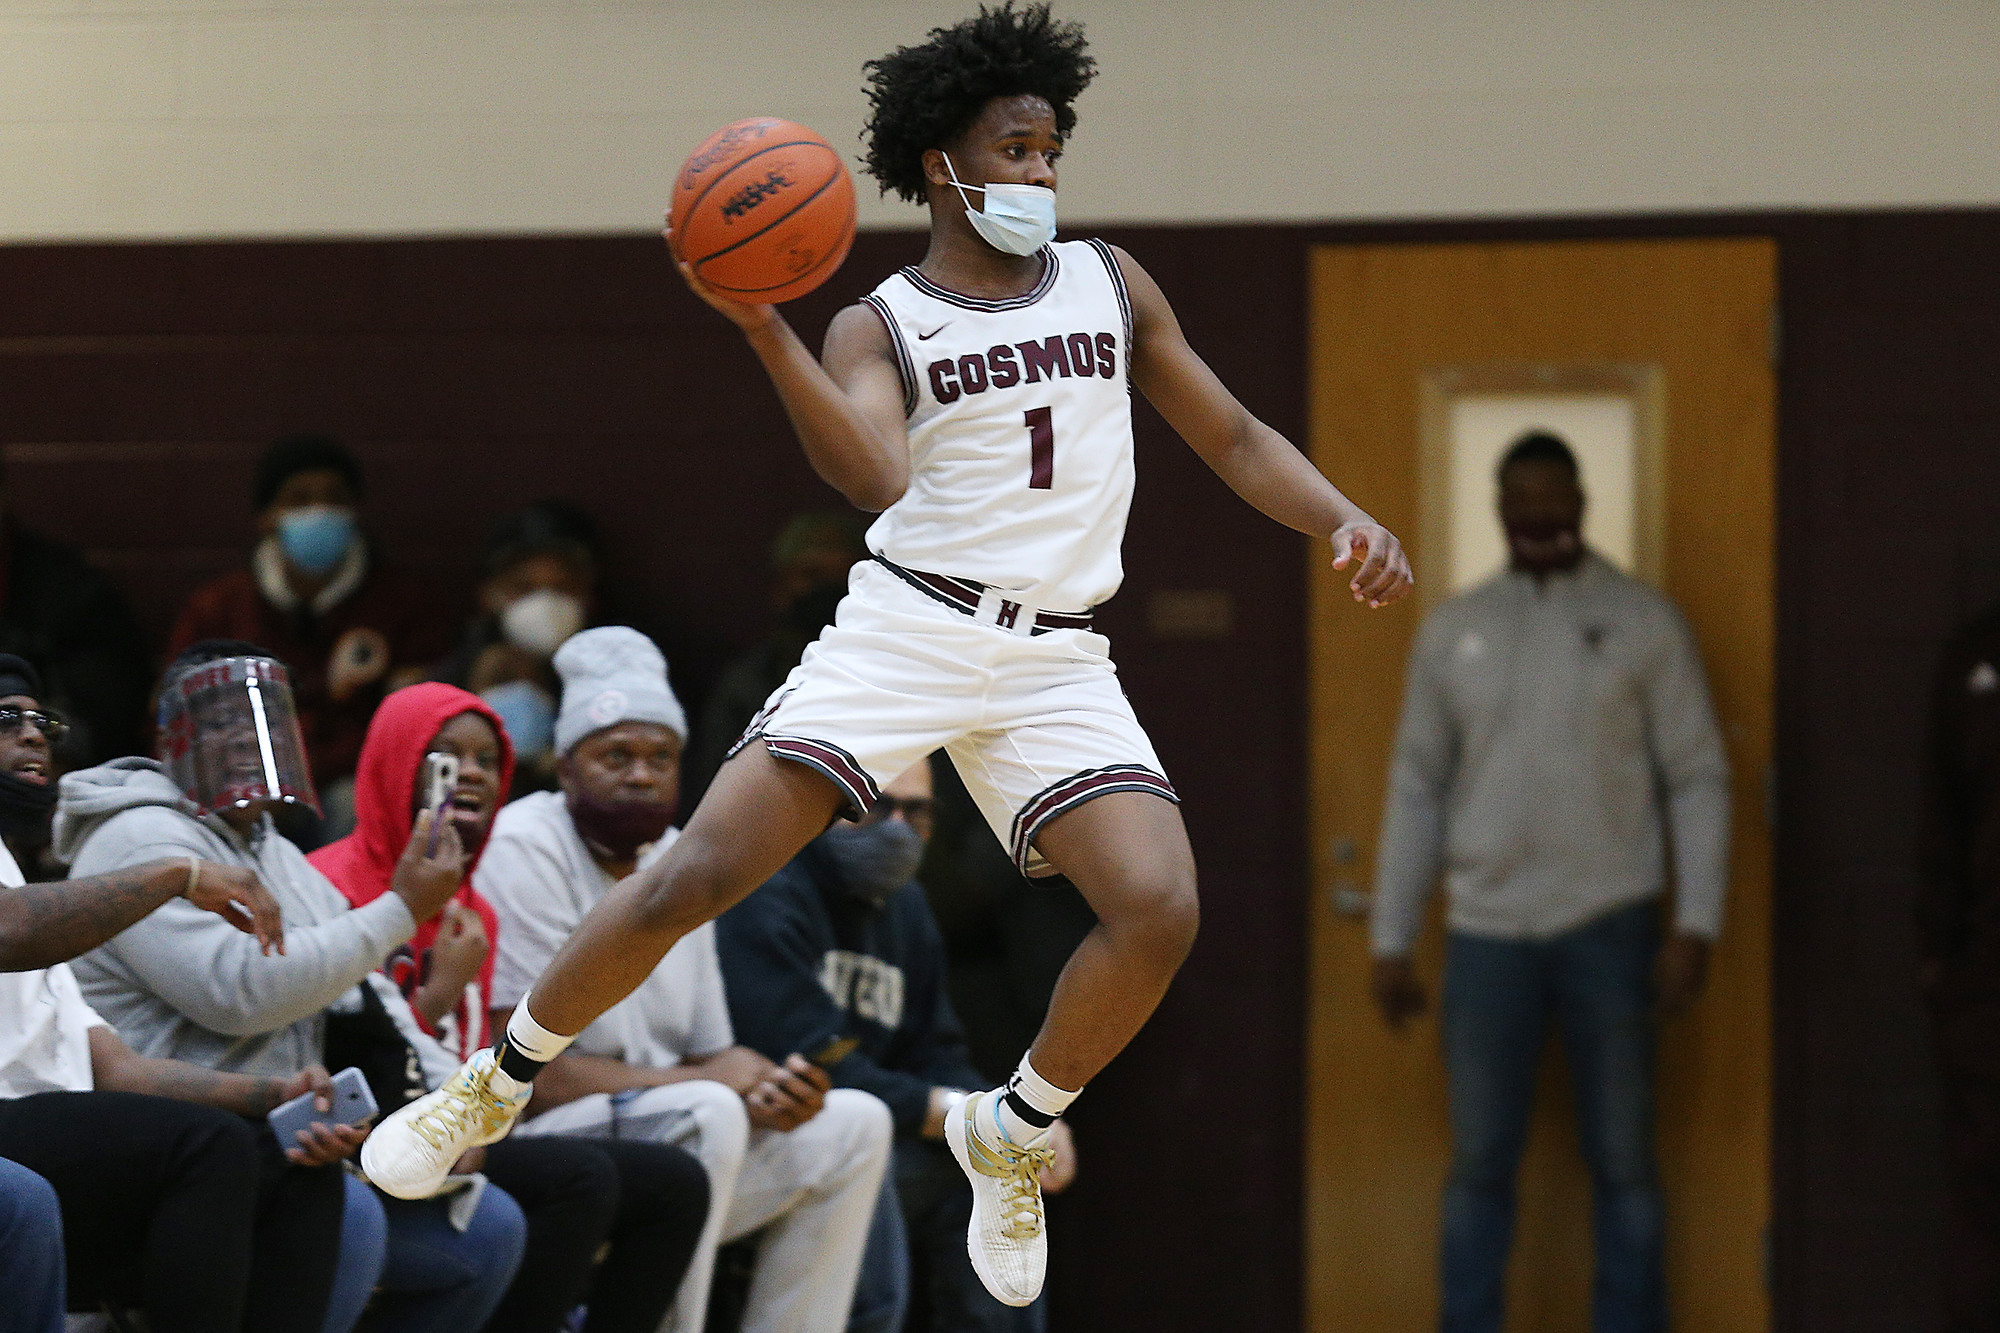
(411, 1152)
(1007, 1241)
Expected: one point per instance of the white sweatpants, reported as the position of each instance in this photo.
(812, 1192)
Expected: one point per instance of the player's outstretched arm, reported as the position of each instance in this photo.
(1259, 464)
(849, 412)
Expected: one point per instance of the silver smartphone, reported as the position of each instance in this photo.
(353, 1104)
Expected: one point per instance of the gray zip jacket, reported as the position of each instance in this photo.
(1550, 735)
(185, 984)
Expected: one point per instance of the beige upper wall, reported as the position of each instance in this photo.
(173, 118)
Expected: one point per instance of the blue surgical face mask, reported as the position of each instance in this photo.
(528, 714)
(1016, 219)
(317, 537)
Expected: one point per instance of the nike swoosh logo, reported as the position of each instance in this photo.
(926, 337)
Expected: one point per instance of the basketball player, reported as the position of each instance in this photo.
(981, 402)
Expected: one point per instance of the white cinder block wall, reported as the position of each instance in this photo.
(210, 118)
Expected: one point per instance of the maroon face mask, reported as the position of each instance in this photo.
(617, 830)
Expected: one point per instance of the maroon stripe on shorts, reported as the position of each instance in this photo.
(836, 763)
(1076, 790)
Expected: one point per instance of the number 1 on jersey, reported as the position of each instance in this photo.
(1041, 448)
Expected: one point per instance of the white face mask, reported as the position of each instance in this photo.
(1017, 219)
(542, 621)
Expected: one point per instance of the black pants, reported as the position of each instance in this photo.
(188, 1212)
(647, 1200)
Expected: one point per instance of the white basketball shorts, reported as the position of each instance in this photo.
(1035, 723)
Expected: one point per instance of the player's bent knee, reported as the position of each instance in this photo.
(1163, 914)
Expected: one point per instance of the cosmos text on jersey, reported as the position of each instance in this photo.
(1078, 355)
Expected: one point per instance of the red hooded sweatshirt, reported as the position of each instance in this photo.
(362, 863)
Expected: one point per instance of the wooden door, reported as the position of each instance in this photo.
(1691, 319)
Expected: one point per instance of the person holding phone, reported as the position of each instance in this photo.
(440, 749)
(183, 984)
(194, 1215)
(785, 1155)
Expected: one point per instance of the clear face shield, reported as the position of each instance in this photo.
(229, 736)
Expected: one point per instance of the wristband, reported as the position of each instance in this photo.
(194, 877)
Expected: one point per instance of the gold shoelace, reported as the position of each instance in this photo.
(459, 1109)
(1021, 1193)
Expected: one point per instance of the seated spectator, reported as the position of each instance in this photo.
(648, 1201)
(346, 625)
(62, 613)
(784, 1155)
(809, 565)
(45, 924)
(841, 941)
(164, 1195)
(538, 586)
(181, 984)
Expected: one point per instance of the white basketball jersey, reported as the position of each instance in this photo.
(1020, 424)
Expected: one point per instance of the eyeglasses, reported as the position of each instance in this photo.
(13, 717)
(913, 809)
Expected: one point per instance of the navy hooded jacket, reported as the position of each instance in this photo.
(805, 961)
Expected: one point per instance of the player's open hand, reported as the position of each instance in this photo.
(749, 318)
(1384, 575)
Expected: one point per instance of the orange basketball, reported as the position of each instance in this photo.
(763, 210)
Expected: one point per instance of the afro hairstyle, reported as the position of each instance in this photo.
(925, 96)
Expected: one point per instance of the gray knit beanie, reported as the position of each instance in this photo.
(613, 675)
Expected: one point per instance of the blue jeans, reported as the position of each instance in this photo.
(434, 1277)
(1499, 997)
(32, 1271)
(882, 1290)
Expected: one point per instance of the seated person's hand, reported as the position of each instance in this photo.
(319, 1145)
(238, 897)
(473, 1159)
(792, 1094)
(1062, 1172)
(737, 1068)
(460, 948)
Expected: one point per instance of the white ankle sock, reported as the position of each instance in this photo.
(1025, 1109)
(531, 1039)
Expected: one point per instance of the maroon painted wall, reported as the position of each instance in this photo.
(137, 382)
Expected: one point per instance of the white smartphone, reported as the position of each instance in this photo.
(353, 1104)
(440, 780)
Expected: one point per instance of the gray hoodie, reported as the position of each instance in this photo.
(185, 984)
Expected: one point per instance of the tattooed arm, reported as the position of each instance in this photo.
(116, 1067)
(45, 924)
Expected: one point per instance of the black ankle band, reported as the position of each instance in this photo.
(516, 1065)
(1039, 1119)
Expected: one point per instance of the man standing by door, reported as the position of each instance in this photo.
(1556, 730)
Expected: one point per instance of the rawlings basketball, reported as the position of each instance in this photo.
(763, 210)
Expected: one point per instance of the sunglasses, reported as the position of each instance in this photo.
(13, 717)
